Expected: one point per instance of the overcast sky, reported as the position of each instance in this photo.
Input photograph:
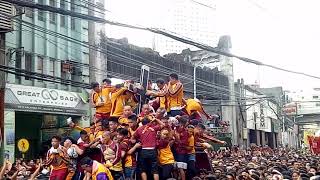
(282, 33)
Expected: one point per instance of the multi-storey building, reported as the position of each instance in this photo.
(192, 19)
(50, 44)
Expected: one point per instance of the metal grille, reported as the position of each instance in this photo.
(6, 10)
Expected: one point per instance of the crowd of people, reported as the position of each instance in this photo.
(159, 142)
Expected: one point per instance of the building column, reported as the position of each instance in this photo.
(258, 135)
(263, 138)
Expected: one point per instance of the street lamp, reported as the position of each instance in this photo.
(195, 74)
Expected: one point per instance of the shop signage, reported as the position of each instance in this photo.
(35, 99)
(23, 145)
(290, 109)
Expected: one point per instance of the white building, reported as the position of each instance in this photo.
(195, 19)
(262, 121)
(308, 102)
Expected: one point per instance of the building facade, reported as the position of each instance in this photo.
(263, 124)
(47, 45)
(188, 18)
(306, 114)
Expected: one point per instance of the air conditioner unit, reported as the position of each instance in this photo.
(7, 11)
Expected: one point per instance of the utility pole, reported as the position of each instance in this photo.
(2, 92)
(195, 81)
(97, 60)
(228, 108)
(92, 52)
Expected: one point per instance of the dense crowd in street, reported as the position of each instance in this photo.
(158, 143)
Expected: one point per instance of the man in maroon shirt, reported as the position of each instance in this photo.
(181, 146)
(147, 136)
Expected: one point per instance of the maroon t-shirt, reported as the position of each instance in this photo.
(181, 144)
(147, 135)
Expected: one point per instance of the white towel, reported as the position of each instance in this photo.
(51, 150)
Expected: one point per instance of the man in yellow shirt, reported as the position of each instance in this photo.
(161, 100)
(101, 100)
(118, 101)
(165, 155)
(194, 107)
(57, 158)
(175, 95)
(127, 111)
(95, 170)
(191, 168)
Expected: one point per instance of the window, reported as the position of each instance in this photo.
(53, 16)
(73, 23)
(40, 65)
(28, 64)
(62, 4)
(41, 15)
(72, 6)
(65, 69)
(315, 97)
(317, 104)
(29, 12)
(18, 64)
(62, 20)
(51, 67)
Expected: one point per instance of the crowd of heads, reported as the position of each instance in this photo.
(160, 141)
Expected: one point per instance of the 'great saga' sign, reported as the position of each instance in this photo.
(43, 96)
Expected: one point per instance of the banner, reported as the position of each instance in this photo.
(35, 99)
(9, 135)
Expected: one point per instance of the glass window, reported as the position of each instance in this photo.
(29, 12)
(41, 15)
(62, 4)
(51, 67)
(72, 5)
(28, 64)
(62, 20)
(40, 65)
(73, 23)
(53, 16)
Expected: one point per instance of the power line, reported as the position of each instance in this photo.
(38, 28)
(154, 30)
(30, 25)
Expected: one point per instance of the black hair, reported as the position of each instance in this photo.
(105, 123)
(200, 125)
(57, 138)
(123, 131)
(255, 176)
(183, 121)
(71, 139)
(118, 86)
(91, 124)
(133, 117)
(166, 117)
(94, 85)
(83, 132)
(107, 81)
(145, 121)
(174, 76)
(160, 81)
(114, 119)
(86, 161)
(200, 97)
